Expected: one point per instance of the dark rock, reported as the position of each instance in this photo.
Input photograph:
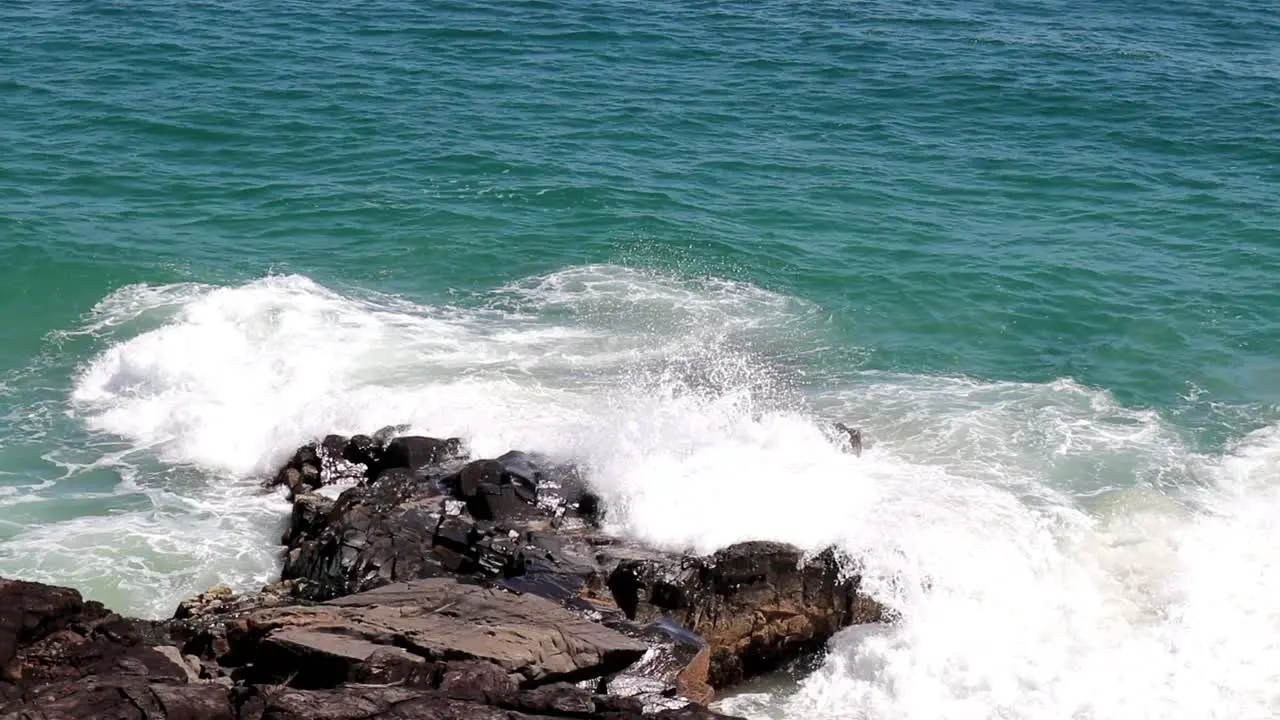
(362, 450)
(302, 471)
(757, 604)
(49, 634)
(528, 524)
(333, 446)
(676, 665)
(401, 527)
(426, 621)
(199, 625)
(30, 612)
(477, 681)
(357, 702)
(385, 435)
(416, 452)
(851, 438)
(560, 699)
(372, 535)
(309, 517)
(122, 699)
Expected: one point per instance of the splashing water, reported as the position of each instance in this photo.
(1049, 552)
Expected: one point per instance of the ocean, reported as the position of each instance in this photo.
(1031, 248)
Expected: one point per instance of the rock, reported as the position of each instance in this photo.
(362, 450)
(558, 699)
(374, 534)
(109, 699)
(529, 525)
(757, 604)
(354, 702)
(477, 681)
(426, 621)
(302, 471)
(433, 648)
(851, 438)
(175, 656)
(676, 665)
(487, 519)
(224, 602)
(199, 625)
(491, 493)
(30, 612)
(310, 514)
(415, 452)
(49, 634)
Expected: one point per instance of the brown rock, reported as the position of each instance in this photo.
(431, 620)
(95, 699)
(757, 604)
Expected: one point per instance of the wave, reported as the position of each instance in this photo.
(1049, 551)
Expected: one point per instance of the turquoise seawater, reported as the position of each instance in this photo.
(1033, 248)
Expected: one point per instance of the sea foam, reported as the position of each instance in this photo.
(1047, 551)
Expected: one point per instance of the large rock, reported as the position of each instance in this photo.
(431, 649)
(50, 634)
(532, 525)
(400, 703)
(394, 633)
(115, 699)
(484, 519)
(757, 604)
(338, 459)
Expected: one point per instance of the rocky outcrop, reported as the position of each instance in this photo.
(484, 519)
(757, 604)
(123, 699)
(436, 586)
(430, 649)
(395, 633)
(398, 703)
(50, 635)
(529, 524)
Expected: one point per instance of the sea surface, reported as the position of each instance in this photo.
(1031, 247)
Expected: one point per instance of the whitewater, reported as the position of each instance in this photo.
(1047, 552)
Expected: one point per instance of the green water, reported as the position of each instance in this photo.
(1033, 247)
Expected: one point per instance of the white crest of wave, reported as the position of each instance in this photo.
(1051, 553)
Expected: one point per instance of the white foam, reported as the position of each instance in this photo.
(1051, 553)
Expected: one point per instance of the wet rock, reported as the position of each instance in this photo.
(415, 452)
(491, 493)
(757, 604)
(486, 519)
(675, 666)
(362, 450)
(373, 535)
(412, 624)
(309, 517)
(850, 438)
(560, 699)
(526, 523)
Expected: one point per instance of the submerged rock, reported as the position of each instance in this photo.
(851, 438)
